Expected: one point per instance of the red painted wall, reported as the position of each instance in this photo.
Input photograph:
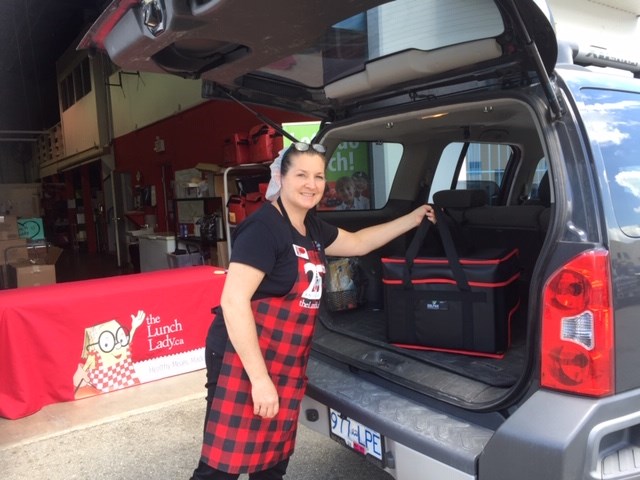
(191, 137)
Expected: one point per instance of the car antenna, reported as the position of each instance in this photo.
(260, 117)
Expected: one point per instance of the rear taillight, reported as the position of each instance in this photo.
(577, 327)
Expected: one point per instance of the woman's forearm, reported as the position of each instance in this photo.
(376, 236)
(367, 239)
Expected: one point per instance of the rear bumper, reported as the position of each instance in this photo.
(551, 435)
(557, 437)
(420, 442)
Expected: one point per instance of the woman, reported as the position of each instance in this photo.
(258, 344)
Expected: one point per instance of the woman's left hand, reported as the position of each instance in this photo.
(425, 210)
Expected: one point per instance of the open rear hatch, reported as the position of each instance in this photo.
(327, 58)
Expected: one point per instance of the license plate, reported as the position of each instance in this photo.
(356, 436)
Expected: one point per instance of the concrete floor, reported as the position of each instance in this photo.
(61, 418)
(150, 431)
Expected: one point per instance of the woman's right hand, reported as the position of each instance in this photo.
(266, 403)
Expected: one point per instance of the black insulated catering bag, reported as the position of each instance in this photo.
(454, 304)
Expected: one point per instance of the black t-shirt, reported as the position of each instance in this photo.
(264, 241)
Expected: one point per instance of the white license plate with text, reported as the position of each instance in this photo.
(356, 436)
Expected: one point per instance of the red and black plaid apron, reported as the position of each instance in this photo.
(236, 440)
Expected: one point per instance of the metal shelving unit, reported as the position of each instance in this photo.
(237, 171)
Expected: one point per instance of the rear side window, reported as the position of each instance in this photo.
(464, 166)
(613, 121)
(359, 175)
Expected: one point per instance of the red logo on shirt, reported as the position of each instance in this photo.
(300, 252)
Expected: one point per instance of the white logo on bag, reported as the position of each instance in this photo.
(437, 305)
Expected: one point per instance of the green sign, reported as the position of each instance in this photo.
(303, 131)
(348, 178)
(347, 159)
(30, 228)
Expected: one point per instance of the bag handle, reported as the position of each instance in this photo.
(449, 249)
(456, 268)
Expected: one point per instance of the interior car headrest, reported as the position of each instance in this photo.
(460, 198)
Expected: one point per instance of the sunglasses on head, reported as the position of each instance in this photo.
(305, 147)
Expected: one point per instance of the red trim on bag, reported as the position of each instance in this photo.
(445, 350)
(463, 261)
(422, 281)
(498, 356)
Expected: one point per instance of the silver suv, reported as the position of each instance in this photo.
(533, 152)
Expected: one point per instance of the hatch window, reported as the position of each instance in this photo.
(359, 175)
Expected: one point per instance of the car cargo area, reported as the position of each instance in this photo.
(513, 214)
(358, 338)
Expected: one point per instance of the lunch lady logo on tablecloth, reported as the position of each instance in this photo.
(107, 358)
(111, 360)
(106, 352)
(163, 336)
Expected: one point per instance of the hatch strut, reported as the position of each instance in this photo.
(260, 117)
(534, 54)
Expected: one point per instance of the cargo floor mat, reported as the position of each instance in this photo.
(369, 327)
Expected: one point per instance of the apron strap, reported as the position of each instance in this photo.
(284, 211)
(310, 231)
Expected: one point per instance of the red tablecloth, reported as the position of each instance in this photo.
(70, 340)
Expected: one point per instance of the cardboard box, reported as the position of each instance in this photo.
(21, 199)
(214, 175)
(210, 167)
(13, 250)
(29, 274)
(44, 254)
(8, 227)
(40, 269)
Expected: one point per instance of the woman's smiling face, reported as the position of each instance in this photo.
(304, 182)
